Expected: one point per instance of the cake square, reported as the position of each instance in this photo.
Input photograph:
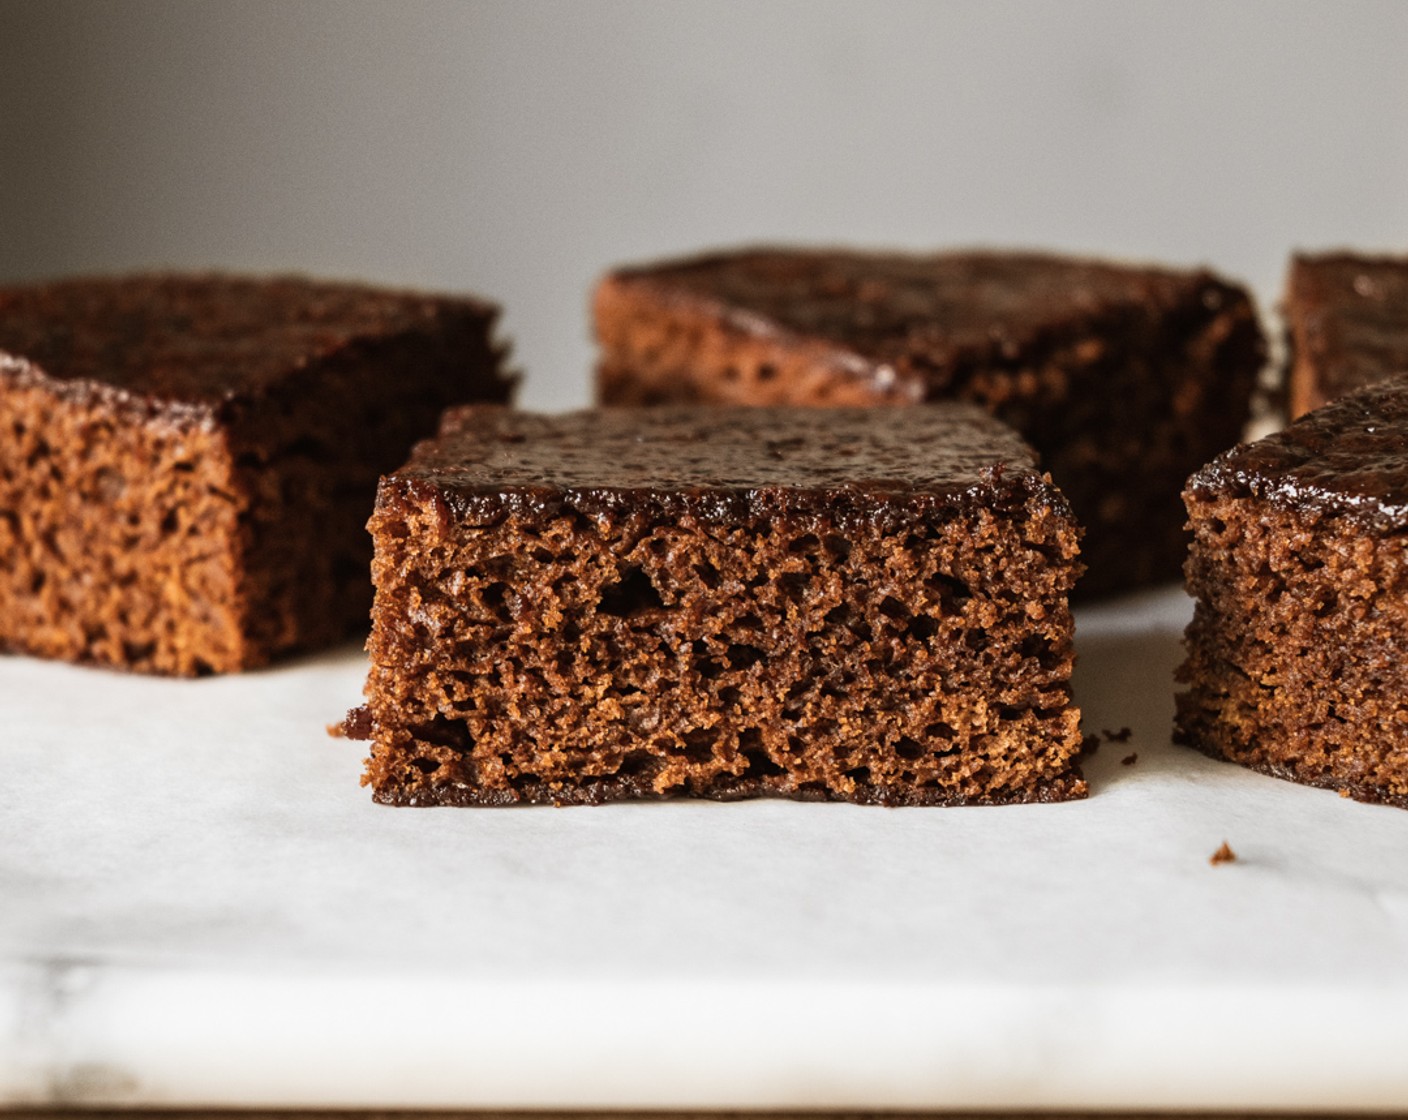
(1297, 655)
(1125, 379)
(1346, 325)
(866, 605)
(187, 461)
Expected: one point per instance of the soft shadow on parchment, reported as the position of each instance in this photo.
(1124, 679)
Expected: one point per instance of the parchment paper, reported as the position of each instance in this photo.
(200, 905)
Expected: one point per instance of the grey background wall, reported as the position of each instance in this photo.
(517, 148)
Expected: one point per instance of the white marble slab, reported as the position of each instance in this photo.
(199, 906)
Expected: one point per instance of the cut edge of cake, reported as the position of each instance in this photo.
(737, 611)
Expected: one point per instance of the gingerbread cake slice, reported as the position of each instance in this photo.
(865, 605)
(1297, 656)
(1125, 379)
(187, 462)
(1346, 325)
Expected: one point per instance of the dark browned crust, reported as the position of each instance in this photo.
(1346, 325)
(605, 791)
(187, 462)
(1125, 379)
(856, 605)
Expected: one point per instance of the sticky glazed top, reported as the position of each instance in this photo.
(1349, 458)
(197, 342)
(919, 317)
(718, 463)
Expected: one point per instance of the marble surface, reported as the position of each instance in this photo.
(199, 906)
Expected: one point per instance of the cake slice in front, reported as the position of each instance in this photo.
(1124, 378)
(1297, 656)
(863, 605)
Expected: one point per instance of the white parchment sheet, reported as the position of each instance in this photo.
(199, 905)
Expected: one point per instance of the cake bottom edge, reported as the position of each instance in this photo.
(1357, 791)
(1070, 786)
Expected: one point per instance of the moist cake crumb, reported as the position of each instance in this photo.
(1223, 854)
(861, 605)
(356, 725)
